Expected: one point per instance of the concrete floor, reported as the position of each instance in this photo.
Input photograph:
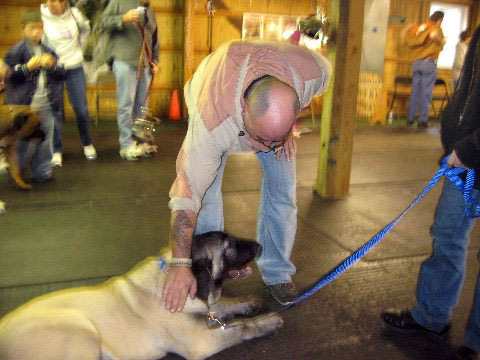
(98, 219)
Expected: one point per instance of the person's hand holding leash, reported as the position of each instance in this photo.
(131, 16)
(454, 161)
(179, 283)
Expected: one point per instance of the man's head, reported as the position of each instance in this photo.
(57, 7)
(32, 24)
(437, 17)
(270, 110)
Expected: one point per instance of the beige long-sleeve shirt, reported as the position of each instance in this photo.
(213, 97)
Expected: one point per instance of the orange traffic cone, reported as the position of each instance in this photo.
(174, 113)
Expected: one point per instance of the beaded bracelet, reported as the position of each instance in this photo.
(181, 262)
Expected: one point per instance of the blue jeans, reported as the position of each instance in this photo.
(76, 89)
(277, 216)
(131, 96)
(441, 276)
(423, 80)
(39, 153)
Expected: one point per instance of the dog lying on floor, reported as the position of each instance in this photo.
(17, 122)
(125, 318)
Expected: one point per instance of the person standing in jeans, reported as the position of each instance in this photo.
(134, 53)
(442, 275)
(425, 69)
(65, 30)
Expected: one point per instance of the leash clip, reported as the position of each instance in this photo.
(213, 317)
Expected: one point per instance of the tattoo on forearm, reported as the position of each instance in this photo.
(183, 228)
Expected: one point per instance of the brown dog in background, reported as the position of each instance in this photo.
(17, 122)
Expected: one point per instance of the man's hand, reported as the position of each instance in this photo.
(154, 67)
(179, 283)
(256, 145)
(34, 63)
(131, 16)
(290, 148)
(47, 61)
(454, 161)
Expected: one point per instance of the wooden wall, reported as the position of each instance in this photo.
(169, 15)
(227, 24)
(397, 58)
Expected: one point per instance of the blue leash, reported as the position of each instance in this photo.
(451, 174)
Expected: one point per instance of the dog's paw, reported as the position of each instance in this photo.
(2, 208)
(263, 325)
(252, 306)
(25, 186)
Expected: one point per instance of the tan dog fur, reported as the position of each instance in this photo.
(124, 318)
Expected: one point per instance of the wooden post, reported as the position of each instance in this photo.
(188, 47)
(339, 105)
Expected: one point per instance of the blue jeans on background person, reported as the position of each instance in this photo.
(442, 275)
(423, 80)
(76, 89)
(39, 153)
(131, 96)
(277, 215)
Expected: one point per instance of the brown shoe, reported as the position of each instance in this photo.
(284, 293)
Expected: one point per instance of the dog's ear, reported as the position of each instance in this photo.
(202, 270)
(20, 120)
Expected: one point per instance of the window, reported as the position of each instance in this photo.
(454, 22)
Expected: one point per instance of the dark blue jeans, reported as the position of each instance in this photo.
(76, 89)
(442, 275)
(423, 80)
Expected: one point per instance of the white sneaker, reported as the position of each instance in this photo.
(57, 159)
(131, 152)
(90, 152)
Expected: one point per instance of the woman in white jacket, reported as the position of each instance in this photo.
(65, 30)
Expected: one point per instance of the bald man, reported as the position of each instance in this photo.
(244, 96)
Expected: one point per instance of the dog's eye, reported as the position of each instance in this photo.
(230, 252)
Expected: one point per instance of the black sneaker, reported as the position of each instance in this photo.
(465, 353)
(422, 125)
(284, 293)
(410, 123)
(403, 322)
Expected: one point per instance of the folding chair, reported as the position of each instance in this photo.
(444, 98)
(399, 81)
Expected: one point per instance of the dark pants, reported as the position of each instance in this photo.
(76, 89)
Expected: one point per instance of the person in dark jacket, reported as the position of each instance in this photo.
(441, 276)
(33, 76)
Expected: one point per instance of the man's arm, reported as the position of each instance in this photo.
(113, 20)
(180, 281)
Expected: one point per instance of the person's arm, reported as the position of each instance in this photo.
(468, 150)
(19, 71)
(180, 281)
(83, 25)
(113, 20)
(197, 165)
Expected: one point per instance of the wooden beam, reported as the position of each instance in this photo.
(188, 50)
(339, 105)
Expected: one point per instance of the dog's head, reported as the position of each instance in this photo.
(215, 256)
(21, 122)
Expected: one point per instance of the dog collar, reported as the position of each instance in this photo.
(163, 265)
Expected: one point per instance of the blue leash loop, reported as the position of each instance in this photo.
(451, 174)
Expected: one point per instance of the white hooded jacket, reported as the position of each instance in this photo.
(65, 34)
